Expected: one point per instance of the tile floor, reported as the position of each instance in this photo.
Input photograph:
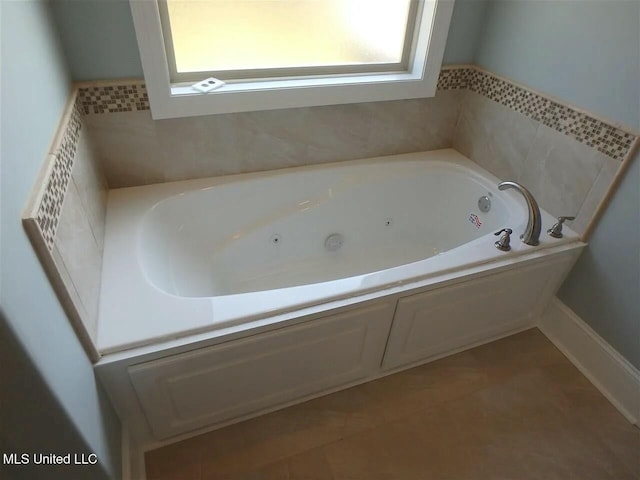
(513, 409)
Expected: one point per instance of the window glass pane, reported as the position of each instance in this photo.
(215, 35)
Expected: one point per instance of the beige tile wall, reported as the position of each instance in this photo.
(79, 239)
(135, 150)
(567, 177)
(65, 220)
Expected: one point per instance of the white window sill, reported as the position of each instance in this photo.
(291, 93)
(275, 84)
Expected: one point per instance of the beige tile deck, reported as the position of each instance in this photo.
(513, 409)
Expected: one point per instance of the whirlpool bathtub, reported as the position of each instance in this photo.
(204, 255)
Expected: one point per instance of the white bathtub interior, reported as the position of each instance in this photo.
(247, 239)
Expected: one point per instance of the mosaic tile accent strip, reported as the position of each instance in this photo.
(114, 98)
(51, 203)
(608, 139)
(454, 78)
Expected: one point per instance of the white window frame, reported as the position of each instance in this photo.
(178, 100)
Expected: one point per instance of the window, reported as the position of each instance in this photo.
(277, 38)
(287, 53)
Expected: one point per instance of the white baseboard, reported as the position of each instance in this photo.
(133, 467)
(137, 467)
(613, 375)
(125, 447)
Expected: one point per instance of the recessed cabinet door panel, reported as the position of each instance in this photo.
(218, 383)
(447, 318)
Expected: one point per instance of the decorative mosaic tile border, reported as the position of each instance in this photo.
(48, 213)
(454, 78)
(113, 98)
(604, 137)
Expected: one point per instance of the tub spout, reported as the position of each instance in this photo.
(531, 235)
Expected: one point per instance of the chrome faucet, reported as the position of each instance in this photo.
(531, 235)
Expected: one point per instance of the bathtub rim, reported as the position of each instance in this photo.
(208, 337)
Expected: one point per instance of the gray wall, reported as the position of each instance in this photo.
(584, 52)
(604, 286)
(100, 42)
(465, 31)
(31, 419)
(98, 38)
(36, 326)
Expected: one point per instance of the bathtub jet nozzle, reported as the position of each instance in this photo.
(334, 242)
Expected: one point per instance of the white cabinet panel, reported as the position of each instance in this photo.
(447, 318)
(214, 384)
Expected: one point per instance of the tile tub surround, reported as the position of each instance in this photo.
(608, 138)
(65, 219)
(567, 177)
(565, 156)
(514, 408)
(135, 149)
